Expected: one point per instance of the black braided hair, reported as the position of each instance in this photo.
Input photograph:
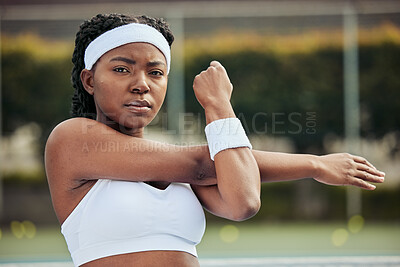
(82, 102)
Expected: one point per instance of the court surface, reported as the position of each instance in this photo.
(367, 261)
(242, 244)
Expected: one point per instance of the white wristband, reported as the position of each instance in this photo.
(224, 134)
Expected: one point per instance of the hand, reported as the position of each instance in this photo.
(347, 169)
(213, 89)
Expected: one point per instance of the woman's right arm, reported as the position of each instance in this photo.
(82, 149)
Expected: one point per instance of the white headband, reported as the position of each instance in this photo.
(130, 33)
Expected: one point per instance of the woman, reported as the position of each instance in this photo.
(123, 200)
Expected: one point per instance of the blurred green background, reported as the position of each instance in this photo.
(285, 61)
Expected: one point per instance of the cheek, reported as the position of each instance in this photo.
(160, 97)
(104, 96)
(107, 87)
(159, 90)
(101, 93)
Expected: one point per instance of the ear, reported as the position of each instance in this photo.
(87, 81)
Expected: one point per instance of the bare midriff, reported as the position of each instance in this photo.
(147, 258)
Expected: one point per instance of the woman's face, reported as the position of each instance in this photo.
(129, 84)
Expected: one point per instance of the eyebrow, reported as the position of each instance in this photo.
(155, 64)
(133, 62)
(124, 59)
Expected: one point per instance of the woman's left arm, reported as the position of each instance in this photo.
(331, 169)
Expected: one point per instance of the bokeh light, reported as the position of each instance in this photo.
(355, 224)
(17, 229)
(29, 229)
(229, 233)
(339, 237)
(23, 229)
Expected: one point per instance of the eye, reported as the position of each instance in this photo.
(156, 73)
(121, 69)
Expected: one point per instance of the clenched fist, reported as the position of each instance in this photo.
(213, 90)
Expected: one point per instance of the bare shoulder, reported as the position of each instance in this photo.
(59, 139)
(65, 187)
(71, 134)
(66, 141)
(72, 128)
(62, 137)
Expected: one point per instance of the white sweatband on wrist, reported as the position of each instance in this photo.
(224, 134)
(129, 33)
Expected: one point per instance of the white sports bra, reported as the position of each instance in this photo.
(118, 217)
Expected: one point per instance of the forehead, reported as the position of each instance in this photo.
(144, 50)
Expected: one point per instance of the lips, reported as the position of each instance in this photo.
(139, 106)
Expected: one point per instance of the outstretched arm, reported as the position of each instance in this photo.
(332, 169)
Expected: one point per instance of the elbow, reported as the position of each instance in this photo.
(246, 209)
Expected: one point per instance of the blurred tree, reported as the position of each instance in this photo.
(300, 95)
(34, 90)
(380, 88)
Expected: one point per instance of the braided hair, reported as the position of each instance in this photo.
(82, 102)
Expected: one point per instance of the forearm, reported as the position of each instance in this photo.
(276, 166)
(331, 169)
(238, 177)
(236, 195)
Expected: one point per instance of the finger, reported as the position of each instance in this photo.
(368, 177)
(363, 167)
(362, 184)
(363, 161)
(215, 63)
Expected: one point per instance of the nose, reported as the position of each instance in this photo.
(139, 83)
